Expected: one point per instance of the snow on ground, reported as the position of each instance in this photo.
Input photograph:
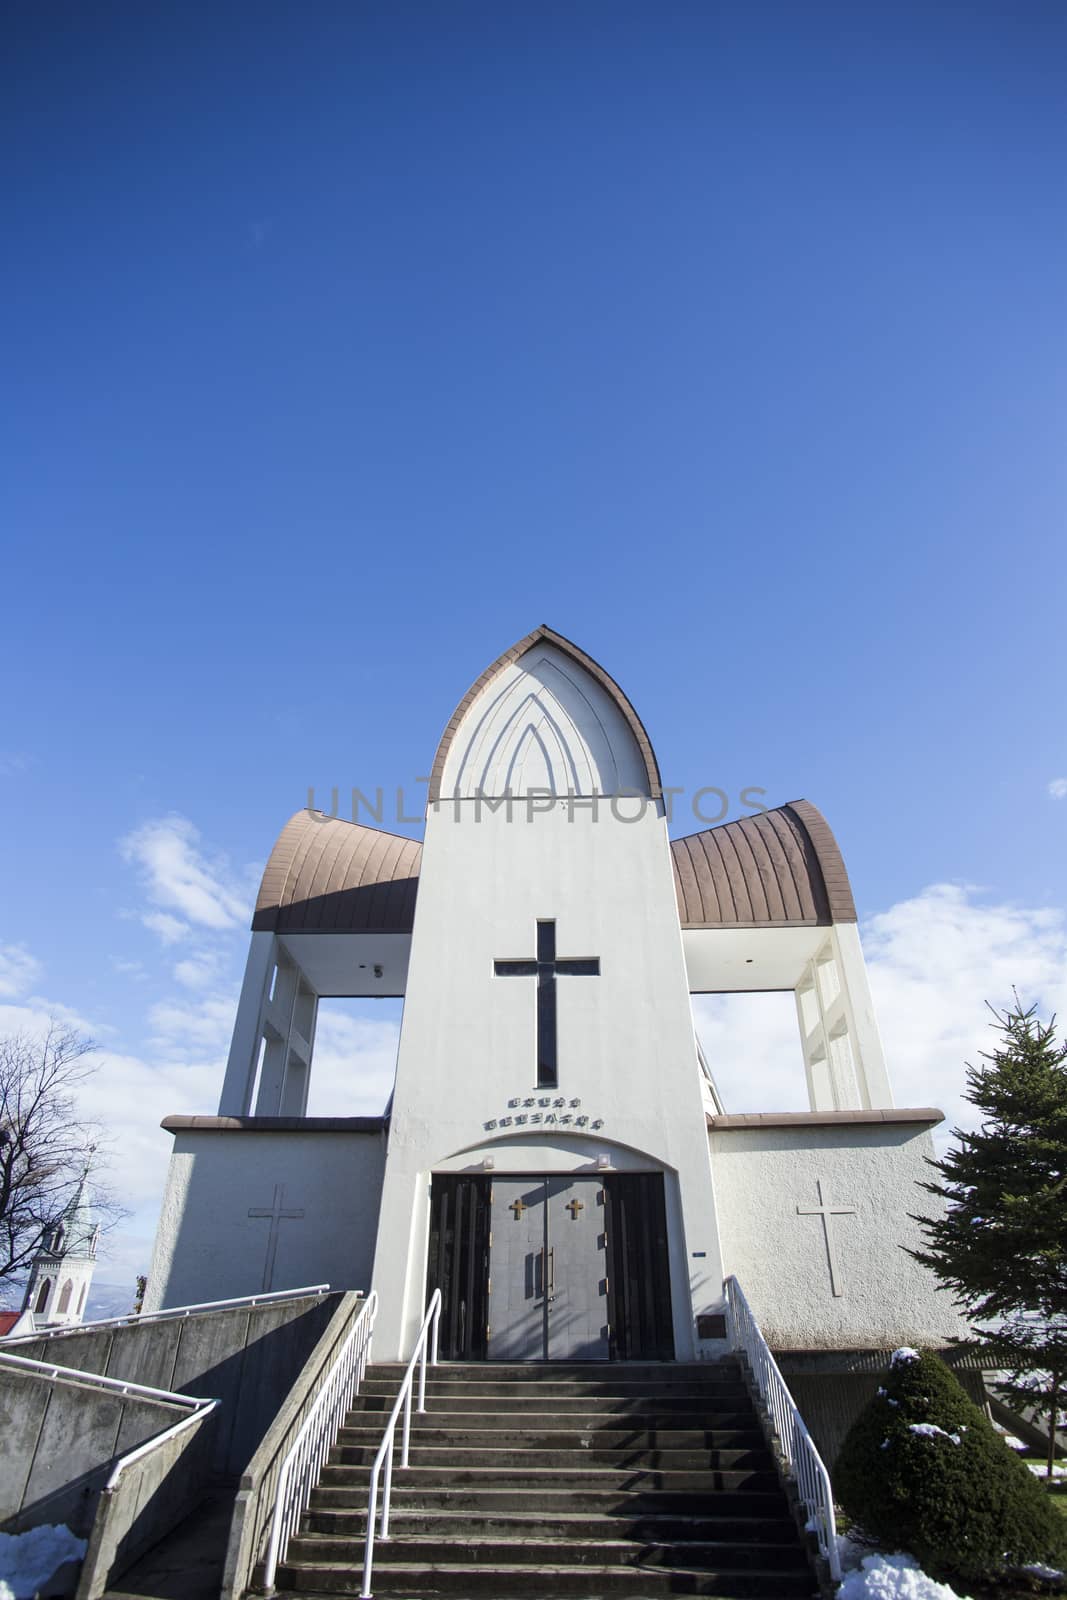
(28, 1560)
(869, 1575)
(1040, 1469)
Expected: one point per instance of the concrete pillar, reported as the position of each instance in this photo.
(843, 1056)
(239, 1082)
(863, 1028)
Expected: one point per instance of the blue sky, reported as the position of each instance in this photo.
(343, 344)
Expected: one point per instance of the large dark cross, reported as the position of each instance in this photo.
(545, 969)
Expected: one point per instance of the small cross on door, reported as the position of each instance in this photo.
(574, 1206)
(518, 1206)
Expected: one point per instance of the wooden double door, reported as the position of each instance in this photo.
(552, 1267)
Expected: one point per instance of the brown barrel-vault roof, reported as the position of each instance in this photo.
(780, 868)
(595, 670)
(329, 876)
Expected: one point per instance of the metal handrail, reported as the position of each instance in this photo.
(429, 1330)
(97, 1380)
(134, 1318)
(299, 1472)
(804, 1462)
(203, 1407)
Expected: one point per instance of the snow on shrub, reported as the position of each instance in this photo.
(923, 1470)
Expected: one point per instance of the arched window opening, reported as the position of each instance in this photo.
(64, 1296)
(81, 1302)
(42, 1297)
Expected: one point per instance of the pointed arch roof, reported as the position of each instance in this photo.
(326, 875)
(779, 868)
(544, 634)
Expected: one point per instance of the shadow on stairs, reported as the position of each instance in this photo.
(569, 1481)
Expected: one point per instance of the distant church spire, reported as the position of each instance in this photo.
(63, 1267)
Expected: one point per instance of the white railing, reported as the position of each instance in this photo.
(427, 1336)
(96, 1380)
(299, 1472)
(123, 1464)
(133, 1318)
(802, 1459)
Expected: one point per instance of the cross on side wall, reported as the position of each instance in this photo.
(276, 1215)
(826, 1212)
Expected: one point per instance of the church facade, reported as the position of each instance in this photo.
(555, 1157)
(61, 1273)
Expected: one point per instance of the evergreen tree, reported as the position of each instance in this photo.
(923, 1470)
(1001, 1245)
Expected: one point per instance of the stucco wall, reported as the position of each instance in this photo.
(209, 1248)
(780, 1258)
(466, 1086)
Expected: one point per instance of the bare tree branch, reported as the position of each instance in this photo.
(44, 1141)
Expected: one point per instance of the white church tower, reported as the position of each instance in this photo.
(555, 1157)
(63, 1266)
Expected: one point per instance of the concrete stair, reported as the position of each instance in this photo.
(559, 1480)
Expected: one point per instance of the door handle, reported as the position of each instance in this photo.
(551, 1272)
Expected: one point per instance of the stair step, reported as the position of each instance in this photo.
(477, 1426)
(547, 1437)
(561, 1526)
(530, 1371)
(571, 1480)
(561, 1581)
(725, 1422)
(558, 1403)
(685, 1492)
(402, 1549)
(681, 1388)
(444, 1458)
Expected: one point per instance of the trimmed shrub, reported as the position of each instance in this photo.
(923, 1470)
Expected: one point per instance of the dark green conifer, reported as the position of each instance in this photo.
(923, 1470)
(1001, 1244)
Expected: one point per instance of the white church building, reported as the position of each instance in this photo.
(61, 1272)
(555, 1156)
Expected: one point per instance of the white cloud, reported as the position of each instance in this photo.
(179, 877)
(129, 969)
(354, 1062)
(934, 961)
(184, 1028)
(19, 971)
(197, 972)
(170, 929)
(1058, 788)
(752, 1047)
